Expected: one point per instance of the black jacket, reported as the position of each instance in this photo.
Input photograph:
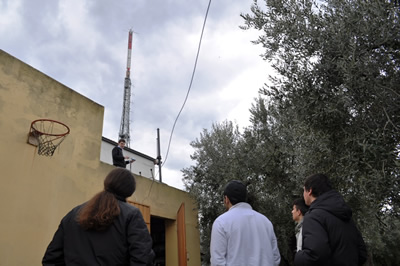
(126, 242)
(118, 157)
(329, 234)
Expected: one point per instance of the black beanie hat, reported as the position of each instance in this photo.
(236, 191)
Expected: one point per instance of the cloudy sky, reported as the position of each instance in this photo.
(83, 44)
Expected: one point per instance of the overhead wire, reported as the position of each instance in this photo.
(190, 85)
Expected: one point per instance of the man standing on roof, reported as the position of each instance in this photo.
(118, 156)
(330, 236)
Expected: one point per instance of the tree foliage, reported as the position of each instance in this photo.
(333, 107)
(217, 162)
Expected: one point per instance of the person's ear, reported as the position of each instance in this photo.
(226, 199)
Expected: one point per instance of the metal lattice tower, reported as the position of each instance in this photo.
(124, 128)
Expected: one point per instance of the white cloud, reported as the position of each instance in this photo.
(10, 20)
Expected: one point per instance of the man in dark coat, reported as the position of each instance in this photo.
(118, 157)
(330, 236)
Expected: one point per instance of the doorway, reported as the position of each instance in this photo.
(157, 230)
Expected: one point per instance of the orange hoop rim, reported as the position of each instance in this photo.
(49, 134)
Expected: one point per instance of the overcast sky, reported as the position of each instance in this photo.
(83, 45)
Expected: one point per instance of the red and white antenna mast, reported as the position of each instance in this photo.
(128, 63)
(124, 128)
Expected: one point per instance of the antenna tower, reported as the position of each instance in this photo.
(124, 128)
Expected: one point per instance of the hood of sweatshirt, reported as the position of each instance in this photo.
(334, 203)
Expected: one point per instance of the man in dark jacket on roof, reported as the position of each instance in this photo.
(330, 236)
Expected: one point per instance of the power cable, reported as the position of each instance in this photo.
(190, 85)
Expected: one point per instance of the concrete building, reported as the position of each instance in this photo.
(37, 191)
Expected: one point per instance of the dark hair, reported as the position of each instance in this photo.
(300, 205)
(236, 192)
(101, 210)
(121, 140)
(319, 183)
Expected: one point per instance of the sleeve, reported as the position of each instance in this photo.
(139, 241)
(116, 154)
(275, 249)
(316, 249)
(218, 245)
(54, 255)
(362, 254)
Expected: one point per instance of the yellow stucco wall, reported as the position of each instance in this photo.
(37, 191)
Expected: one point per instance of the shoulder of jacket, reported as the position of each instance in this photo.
(128, 208)
(315, 212)
(72, 214)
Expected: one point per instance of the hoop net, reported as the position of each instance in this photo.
(47, 135)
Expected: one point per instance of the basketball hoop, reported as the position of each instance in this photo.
(47, 135)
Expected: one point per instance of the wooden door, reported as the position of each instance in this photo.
(182, 255)
(145, 210)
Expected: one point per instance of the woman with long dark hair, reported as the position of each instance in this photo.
(106, 230)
